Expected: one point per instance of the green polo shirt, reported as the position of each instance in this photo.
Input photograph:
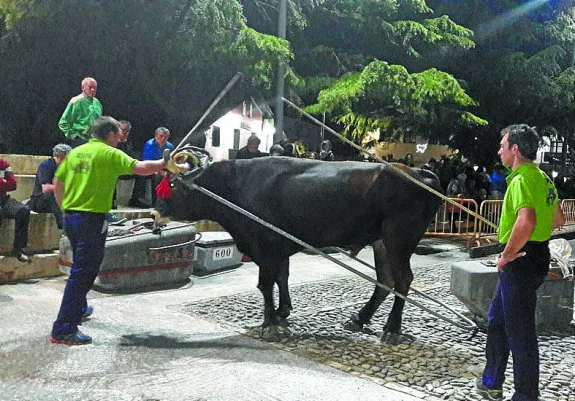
(528, 187)
(79, 116)
(89, 174)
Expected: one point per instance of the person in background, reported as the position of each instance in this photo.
(12, 209)
(498, 184)
(530, 212)
(251, 149)
(126, 183)
(42, 199)
(84, 188)
(153, 149)
(80, 113)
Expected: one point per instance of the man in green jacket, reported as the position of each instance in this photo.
(80, 113)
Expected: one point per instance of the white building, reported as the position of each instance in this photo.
(231, 131)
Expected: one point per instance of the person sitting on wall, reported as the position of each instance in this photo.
(42, 199)
(12, 209)
(251, 149)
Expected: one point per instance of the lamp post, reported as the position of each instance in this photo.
(279, 122)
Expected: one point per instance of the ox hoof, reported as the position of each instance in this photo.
(394, 338)
(353, 324)
(273, 333)
(282, 313)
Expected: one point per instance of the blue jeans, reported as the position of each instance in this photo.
(512, 324)
(87, 235)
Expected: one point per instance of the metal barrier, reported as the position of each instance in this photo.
(451, 221)
(491, 211)
(568, 208)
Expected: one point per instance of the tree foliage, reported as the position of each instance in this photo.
(156, 63)
(522, 68)
(354, 57)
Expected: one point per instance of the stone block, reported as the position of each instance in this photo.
(43, 265)
(474, 285)
(24, 164)
(24, 187)
(43, 233)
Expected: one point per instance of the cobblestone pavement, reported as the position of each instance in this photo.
(440, 360)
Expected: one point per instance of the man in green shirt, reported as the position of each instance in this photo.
(80, 113)
(530, 213)
(84, 187)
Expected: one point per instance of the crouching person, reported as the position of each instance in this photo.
(84, 189)
(42, 199)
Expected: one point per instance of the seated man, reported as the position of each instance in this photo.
(12, 209)
(42, 199)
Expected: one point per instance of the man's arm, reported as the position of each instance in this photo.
(58, 191)
(65, 123)
(522, 229)
(558, 217)
(149, 167)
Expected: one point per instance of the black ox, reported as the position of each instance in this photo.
(347, 204)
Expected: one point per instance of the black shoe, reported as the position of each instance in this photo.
(494, 394)
(21, 256)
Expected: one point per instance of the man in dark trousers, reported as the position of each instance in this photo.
(84, 188)
(530, 213)
(42, 199)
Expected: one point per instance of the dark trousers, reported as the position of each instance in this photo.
(512, 324)
(87, 235)
(12, 209)
(46, 203)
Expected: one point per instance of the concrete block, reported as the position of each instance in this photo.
(43, 265)
(23, 164)
(24, 186)
(474, 285)
(216, 250)
(43, 233)
(137, 262)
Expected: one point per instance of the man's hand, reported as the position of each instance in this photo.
(47, 188)
(502, 259)
(176, 168)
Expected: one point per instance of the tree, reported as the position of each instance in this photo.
(157, 63)
(522, 68)
(354, 57)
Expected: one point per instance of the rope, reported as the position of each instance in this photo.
(214, 103)
(394, 169)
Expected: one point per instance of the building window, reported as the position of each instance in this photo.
(215, 136)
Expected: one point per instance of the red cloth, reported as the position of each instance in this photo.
(164, 190)
(7, 179)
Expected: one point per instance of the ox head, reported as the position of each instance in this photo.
(177, 203)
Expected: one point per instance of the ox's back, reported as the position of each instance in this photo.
(322, 203)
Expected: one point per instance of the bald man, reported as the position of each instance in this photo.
(81, 112)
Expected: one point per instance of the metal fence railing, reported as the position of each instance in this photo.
(451, 221)
(568, 207)
(454, 223)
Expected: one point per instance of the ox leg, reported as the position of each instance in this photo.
(383, 275)
(403, 278)
(284, 307)
(266, 286)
